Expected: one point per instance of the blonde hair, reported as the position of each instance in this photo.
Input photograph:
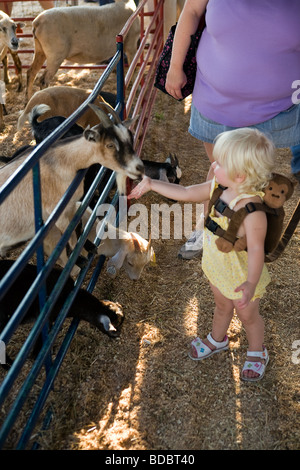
(246, 152)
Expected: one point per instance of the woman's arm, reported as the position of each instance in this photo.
(195, 193)
(187, 25)
(256, 228)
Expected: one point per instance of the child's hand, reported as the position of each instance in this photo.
(247, 289)
(143, 187)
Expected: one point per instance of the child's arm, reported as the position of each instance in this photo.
(195, 193)
(256, 228)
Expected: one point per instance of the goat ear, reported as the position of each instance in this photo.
(91, 134)
(136, 242)
(129, 122)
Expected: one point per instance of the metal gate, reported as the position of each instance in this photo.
(139, 78)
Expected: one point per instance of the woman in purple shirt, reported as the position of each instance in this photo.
(247, 61)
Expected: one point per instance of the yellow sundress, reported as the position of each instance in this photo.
(227, 271)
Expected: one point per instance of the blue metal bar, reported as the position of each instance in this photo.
(25, 350)
(52, 373)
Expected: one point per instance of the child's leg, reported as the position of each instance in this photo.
(221, 320)
(254, 327)
(222, 316)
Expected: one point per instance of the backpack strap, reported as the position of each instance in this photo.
(214, 197)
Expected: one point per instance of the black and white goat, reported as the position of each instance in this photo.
(169, 170)
(105, 315)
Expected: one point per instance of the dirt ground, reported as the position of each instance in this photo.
(141, 391)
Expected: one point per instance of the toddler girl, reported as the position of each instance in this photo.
(244, 160)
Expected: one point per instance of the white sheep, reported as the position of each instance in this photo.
(63, 101)
(80, 34)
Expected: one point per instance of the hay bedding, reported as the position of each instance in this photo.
(142, 392)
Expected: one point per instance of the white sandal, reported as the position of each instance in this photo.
(255, 366)
(203, 351)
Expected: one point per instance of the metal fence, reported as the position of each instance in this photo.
(137, 86)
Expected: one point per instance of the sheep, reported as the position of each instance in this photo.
(8, 41)
(63, 101)
(105, 315)
(109, 144)
(81, 34)
(18, 68)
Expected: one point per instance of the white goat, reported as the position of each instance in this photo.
(8, 41)
(125, 249)
(109, 144)
(80, 34)
(128, 250)
(63, 101)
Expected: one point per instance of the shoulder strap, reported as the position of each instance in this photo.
(215, 196)
(236, 220)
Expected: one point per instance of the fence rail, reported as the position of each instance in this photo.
(139, 78)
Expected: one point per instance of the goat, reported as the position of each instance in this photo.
(105, 315)
(125, 249)
(80, 34)
(166, 171)
(109, 144)
(128, 250)
(8, 41)
(43, 129)
(63, 101)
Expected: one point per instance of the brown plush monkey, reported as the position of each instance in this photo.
(279, 190)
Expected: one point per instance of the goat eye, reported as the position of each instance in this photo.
(110, 146)
(4, 29)
(270, 188)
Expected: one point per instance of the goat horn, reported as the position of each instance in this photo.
(111, 111)
(101, 115)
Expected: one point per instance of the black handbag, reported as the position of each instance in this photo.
(189, 66)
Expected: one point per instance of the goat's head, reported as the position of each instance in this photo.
(110, 318)
(8, 28)
(174, 173)
(116, 139)
(137, 258)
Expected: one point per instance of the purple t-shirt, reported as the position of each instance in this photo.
(248, 58)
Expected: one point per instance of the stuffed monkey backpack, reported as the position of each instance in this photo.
(279, 190)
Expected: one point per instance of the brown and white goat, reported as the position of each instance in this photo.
(63, 101)
(109, 144)
(81, 34)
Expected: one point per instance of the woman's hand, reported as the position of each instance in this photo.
(143, 187)
(176, 79)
